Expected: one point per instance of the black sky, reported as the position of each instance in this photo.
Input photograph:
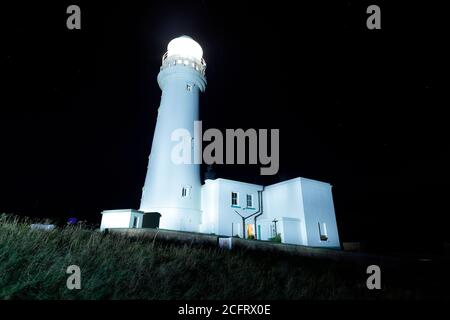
(361, 109)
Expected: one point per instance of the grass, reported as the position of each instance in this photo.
(33, 265)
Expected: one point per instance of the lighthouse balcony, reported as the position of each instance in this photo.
(174, 60)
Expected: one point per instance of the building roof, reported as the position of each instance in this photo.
(293, 180)
(298, 179)
(235, 181)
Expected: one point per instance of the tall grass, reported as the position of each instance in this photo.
(33, 265)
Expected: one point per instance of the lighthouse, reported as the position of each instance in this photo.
(298, 211)
(174, 189)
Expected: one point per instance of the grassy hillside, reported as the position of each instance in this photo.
(33, 266)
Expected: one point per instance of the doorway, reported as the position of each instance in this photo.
(135, 222)
(250, 231)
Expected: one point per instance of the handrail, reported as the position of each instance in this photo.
(199, 65)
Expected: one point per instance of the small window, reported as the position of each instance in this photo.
(323, 231)
(186, 191)
(234, 199)
(249, 201)
(189, 87)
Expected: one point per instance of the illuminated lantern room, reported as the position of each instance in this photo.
(184, 51)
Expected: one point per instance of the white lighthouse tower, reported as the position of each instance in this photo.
(171, 188)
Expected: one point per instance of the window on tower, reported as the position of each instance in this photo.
(186, 192)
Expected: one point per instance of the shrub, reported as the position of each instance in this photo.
(277, 238)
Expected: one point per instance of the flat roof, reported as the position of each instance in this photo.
(122, 210)
(297, 179)
(235, 181)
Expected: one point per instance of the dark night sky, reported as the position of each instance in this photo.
(361, 109)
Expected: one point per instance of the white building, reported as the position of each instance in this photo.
(300, 210)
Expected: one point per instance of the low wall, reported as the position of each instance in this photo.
(169, 235)
(266, 246)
